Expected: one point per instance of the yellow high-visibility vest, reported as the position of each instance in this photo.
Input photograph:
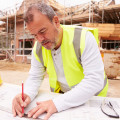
(72, 47)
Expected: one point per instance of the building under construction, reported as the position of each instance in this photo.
(16, 42)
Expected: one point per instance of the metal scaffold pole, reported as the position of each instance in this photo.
(23, 37)
(92, 11)
(15, 37)
(64, 13)
(7, 35)
(7, 31)
(1, 42)
(89, 11)
(103, 13)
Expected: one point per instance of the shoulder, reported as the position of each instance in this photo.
(90, 39)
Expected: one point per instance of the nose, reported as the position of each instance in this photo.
(40, 38)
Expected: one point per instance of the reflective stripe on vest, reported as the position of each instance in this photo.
(76, 44)
(76, 49)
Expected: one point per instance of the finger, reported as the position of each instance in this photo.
(38, 103)
(27, 101)
(18, 107)
(20, 101)
(33, 111)
(47, 116)
(19, 113)
(13, 111)
(39, 112)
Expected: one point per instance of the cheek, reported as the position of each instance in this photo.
(49, 37)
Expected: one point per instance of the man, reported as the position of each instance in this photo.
(72, 59)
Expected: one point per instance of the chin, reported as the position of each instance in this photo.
(48, 48)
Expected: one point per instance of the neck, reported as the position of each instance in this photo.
(60, 36)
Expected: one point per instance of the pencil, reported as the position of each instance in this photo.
(22, 96)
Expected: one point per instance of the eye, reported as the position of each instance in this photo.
(34, 35)
(42, 31)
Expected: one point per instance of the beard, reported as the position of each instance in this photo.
(49, 44)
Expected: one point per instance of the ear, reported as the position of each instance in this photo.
(56, 21)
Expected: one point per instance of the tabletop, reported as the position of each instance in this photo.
(89, 111)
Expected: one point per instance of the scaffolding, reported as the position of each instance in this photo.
(14, 41)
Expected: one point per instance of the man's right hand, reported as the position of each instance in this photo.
(18, 103)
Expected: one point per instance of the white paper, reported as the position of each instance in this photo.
(89, 111)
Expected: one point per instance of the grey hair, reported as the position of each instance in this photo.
(41, 7)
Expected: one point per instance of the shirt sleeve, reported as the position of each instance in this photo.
(36, 75)
(93, 80)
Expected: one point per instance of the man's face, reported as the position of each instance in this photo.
(46, 32)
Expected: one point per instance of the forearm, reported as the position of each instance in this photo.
(78, 95)
(32, 85)
(36, 75)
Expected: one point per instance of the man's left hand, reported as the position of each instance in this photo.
(42, 107)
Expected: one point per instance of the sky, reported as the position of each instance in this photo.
(69, 3)
(76, 2)
(11, 3)
(8, 3)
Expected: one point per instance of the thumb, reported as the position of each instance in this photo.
(27, 101)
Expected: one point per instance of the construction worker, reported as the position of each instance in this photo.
(70, 55)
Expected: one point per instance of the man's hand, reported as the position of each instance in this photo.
(18, 103)
(42, 107)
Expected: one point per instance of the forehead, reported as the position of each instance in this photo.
(39, 21)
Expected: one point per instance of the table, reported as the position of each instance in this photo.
(89, 111)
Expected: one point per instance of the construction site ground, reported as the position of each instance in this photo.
(15, 73)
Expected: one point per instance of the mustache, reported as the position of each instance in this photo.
(45, 41)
